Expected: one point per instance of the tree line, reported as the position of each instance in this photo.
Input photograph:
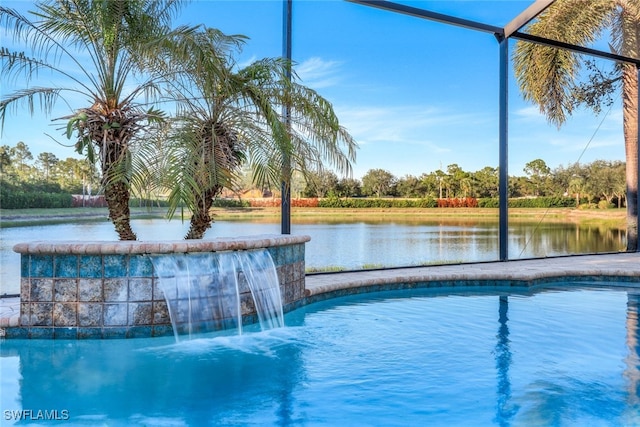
(19, 168)
(600, 182)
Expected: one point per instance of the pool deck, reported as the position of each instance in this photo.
(602, 265)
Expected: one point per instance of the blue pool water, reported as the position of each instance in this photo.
(552, 357)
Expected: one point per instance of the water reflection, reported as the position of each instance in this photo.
(632, 361)
(542, 240)
(351, 244)
(504, 410)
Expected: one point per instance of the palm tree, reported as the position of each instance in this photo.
(229, 117)
(548, 76)
(98, 49)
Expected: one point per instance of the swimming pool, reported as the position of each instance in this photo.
(420, 357)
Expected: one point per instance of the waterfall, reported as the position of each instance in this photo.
(209, 291)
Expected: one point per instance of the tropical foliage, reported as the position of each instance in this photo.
(108, 44)
(229, 115)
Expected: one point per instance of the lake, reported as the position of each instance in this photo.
(349, 244)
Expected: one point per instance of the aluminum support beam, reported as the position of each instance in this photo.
(575, 48)
(427, 14)
(285, 187)
(527, 15)
(503, 141)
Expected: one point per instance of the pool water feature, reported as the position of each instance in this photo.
(564, 355)
(103, 290)
(203, 290)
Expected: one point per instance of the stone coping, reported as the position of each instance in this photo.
(157, 247)
(524, 273)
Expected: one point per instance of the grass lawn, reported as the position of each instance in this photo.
(25, 217)
(608, 217)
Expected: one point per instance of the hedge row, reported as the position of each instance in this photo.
(468, 202)
(539, 202)
(335, 202)
(35, 199)
(275, 203)
(10, 198)
(230, 203)
(147, 203)
(363, 203)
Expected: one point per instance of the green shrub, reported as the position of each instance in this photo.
(488, 202)
(21, 200)
(587, 206)
(537, 202)
(33, 195)
(230, 203)
(147, 203)
(603, 204)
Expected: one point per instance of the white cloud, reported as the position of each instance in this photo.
(530, 114)
(318, 73)
(422, 125)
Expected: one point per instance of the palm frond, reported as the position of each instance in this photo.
(547, 75)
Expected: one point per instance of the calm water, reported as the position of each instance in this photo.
(415, 358)
(349, 245)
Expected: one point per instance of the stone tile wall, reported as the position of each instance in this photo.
(67, 292)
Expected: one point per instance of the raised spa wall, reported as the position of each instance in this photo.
(109, 289)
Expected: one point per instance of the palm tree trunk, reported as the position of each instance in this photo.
(630, 123)
(201, 219)
(117, 198)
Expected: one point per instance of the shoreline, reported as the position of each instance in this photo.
(613, 217)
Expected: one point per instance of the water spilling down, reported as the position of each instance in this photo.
(211, 291)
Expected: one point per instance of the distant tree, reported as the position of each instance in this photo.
(411, 186)
(620, 190)
(485, 182)
(321, 184)
(458, 182)
(77, 176)
(20, 156)
(5, 159)
(561, 176)
(605, 179)
(432, 183)
(441, 178)
(349, 187)
(47, 161)
(538, 172)
(569, 181)
(378, 182)
(518, 186)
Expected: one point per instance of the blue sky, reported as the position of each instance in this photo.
(416, 95)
